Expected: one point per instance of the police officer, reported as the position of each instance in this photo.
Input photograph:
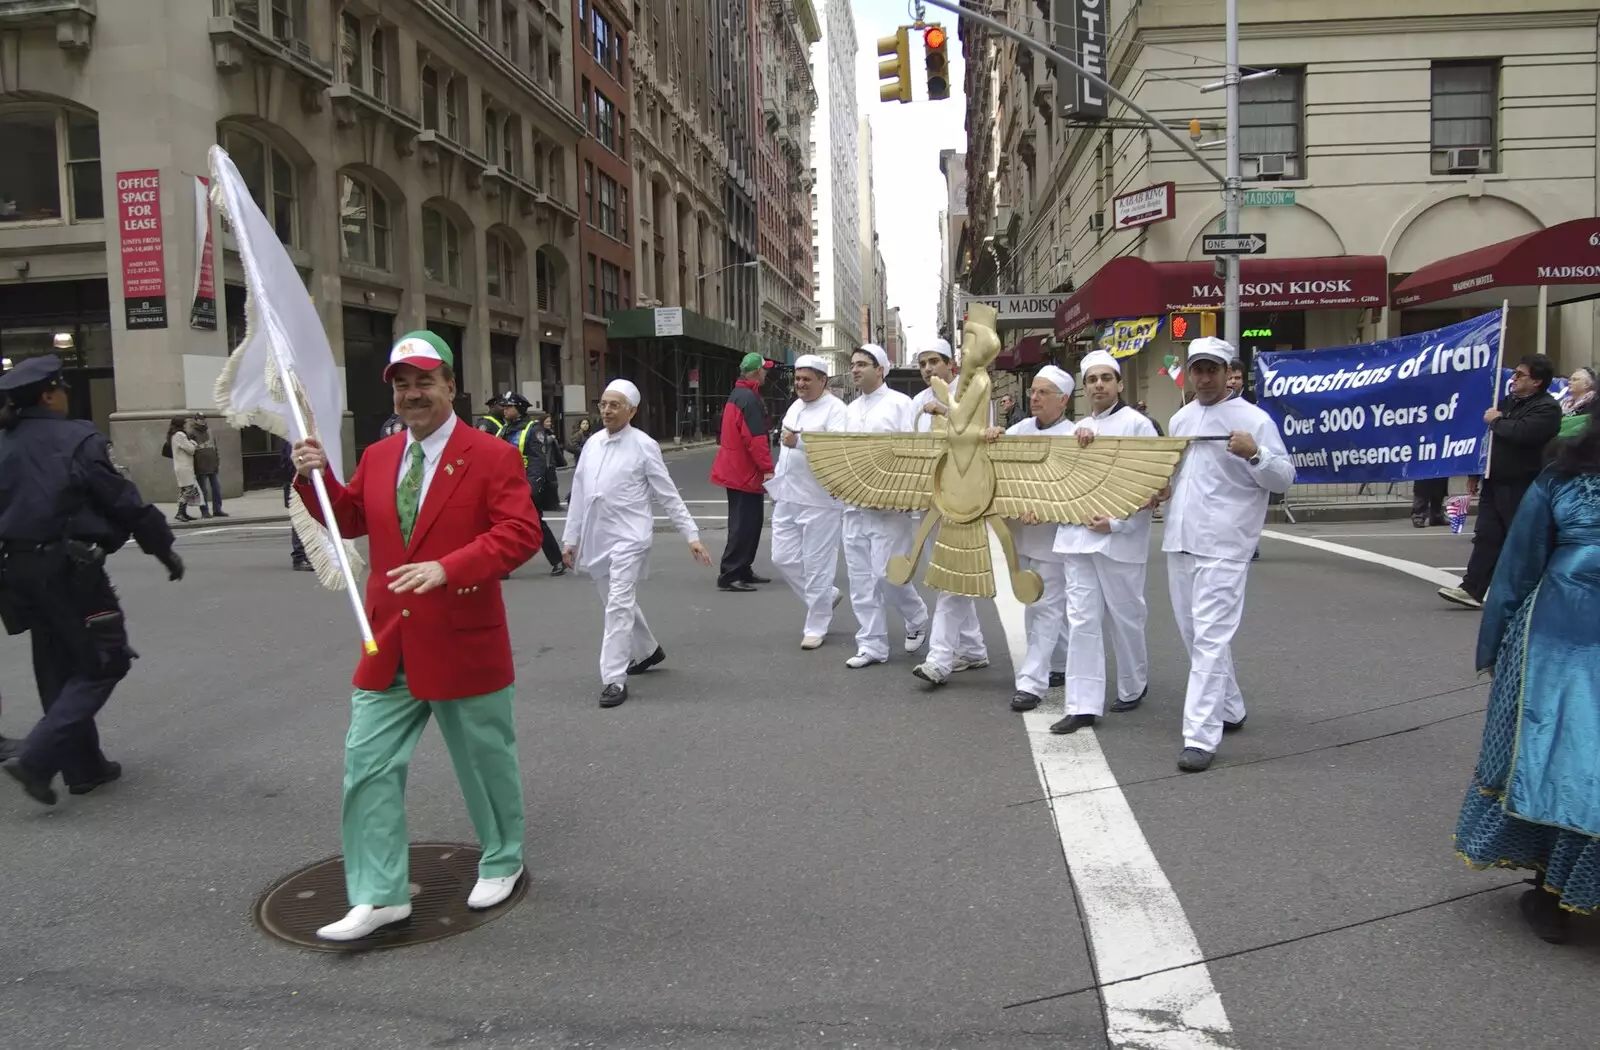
(490, 422)
(539, 449)
(63, 508)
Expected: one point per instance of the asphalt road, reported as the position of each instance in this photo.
(765, 849)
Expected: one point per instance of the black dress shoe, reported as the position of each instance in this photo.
(1058, 679)
(736, 585)
(113, 771)
(648, 662)
(558, 569)
(37, 789)
(220, 514)
(1120, 706)
(1073, 723)
(613, 695)
(1195, 760)
(304, 566)
(1024, 701)
(753, 578)
(1544, 915)
(1234, 727)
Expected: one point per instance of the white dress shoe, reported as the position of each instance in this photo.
(811, 641)
(489, 892)
(363, 921)
(861, 660)
(914, 639)
(838, 596)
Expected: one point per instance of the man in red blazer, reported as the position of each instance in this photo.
(447, 513)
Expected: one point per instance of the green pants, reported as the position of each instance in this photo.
(384, 728)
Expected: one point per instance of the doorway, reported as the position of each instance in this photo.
(554, 395)
(368, 337)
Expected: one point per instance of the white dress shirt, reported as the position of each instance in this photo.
(884, 411)
(1129, 538)
(922, 422)
(432, 451)
(1219, 500)
(608, 513)
(1036, 541)
(792, 480)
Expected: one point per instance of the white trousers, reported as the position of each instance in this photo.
(871, 538)
(1098, 589)
(1043, 621)
(805, 549)
(1208, 602)
(627, 638)
(956, 631)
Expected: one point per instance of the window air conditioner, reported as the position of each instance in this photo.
(1471, 158)
(1271, 166)
(1097, 221)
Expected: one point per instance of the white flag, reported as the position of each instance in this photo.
(281, 326)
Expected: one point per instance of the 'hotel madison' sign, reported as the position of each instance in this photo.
(1019, 311)
(1080, 34)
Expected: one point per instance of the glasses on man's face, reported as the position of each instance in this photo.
(1520, 374)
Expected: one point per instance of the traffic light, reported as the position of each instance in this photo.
(934, 41)
(896, 68)
(1193, 324)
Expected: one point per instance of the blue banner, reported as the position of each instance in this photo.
(1398, 410)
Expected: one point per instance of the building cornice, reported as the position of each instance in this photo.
(1399, 26)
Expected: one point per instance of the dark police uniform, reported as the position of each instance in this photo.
(63, 508)
(535, 444)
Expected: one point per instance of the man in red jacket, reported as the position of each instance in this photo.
(743, 466)
(447, 512)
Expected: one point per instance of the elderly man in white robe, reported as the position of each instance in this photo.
(1105, 567)
(1218, 503)
(608, 533)
(1042, 620)
(872, 537)
(806, 521)
(956, 642)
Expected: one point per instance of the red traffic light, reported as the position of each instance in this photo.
(1180, 326)
(934, 37)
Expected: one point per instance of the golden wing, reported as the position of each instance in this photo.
(1063, 483)
(881, 471)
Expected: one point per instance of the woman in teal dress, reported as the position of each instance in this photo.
(1535, 798)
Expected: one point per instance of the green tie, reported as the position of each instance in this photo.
(409, 498)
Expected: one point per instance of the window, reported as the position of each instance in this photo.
(622, 135)
(430, 97)
(1269, 124)
(627, 290)
(1464, 110)
(502, 268)
(352, 68)
(610, 288)
(511, 145)
(51, 155)
(379, 82)
(608, 205)
(584, 104)
(594, 285)
(544, 281)
(454, 91)
(583, 21)
(491, 134)
(268, 176)
(363, 223)
(605, 122)
(604, 43)
(508, 32)
(622, 214)
(588, 191)
(441, 248)
(485, 7)
(288, 19)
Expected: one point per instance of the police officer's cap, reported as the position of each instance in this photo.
(35, 371)
(517, 401)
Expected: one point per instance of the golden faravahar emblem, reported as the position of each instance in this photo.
(965, 483)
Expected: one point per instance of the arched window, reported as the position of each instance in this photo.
(50, 165)
(363, 223)
(441, 248)
(501, 270)
(268, 176)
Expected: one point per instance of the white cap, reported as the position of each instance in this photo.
(1095, 358)
(940, 347)
(1057, 377)
(1210, 348)
(877, 353)
(626, 389)
(814, 362)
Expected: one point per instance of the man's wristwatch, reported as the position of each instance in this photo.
(1255, 460)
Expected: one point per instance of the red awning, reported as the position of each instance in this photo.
(1565, 257)
(1134, 287)
(1027, 353)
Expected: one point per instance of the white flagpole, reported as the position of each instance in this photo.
(1499, 366)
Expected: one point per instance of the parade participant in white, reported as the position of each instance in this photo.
(956, 643)
(1042, 620)
(872, 537)
(1218, 505)
(806, 521)
(608, 533)
(1105, 567)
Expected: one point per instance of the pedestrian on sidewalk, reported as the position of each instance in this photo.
(580, 437)
(806, 521)
(1534, 801)
(1575, 406)
(180, 447)
(743, 466)
(207, 466)
(609, 533)
(1521, 427)
(438, 617)
(533, 443)
(1217, 506)
(1104, 566)
(298, 560)
(955, 642)
(63, 509)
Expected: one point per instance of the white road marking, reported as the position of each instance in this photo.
(242, 527)
(1411, 568)
(1414, 534)
(1136, 924)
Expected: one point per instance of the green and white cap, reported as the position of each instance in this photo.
(422, 350)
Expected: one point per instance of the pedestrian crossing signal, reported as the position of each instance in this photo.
(1192, 324)
(895, 67)
(934, 43)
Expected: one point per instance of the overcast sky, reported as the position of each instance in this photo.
(906, 140)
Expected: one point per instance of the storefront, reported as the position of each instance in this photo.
(71, 319)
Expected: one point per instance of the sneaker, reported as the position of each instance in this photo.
(1459, 597)
(916, 638)
(930, 674)
(860, 660)
(811, 641)
(970, 663)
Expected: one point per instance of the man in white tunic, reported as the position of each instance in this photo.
(1047, 399)
(608, 533)
(806, 521)
(1213, 523)
(956, 642)
(872, 537)
(1105, 566)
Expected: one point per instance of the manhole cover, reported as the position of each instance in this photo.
(442, 874)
